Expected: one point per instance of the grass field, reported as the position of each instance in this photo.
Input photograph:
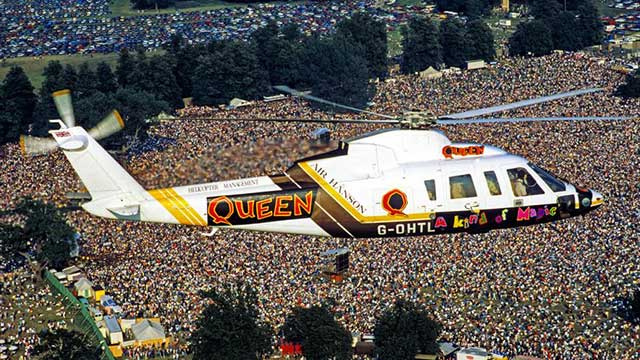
(409, 2)
(33, 67)
(394, 43)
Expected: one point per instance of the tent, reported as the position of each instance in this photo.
(447, 348)
(236, 103)
(430, 74)
(84, 288)
(148, 332)
(473, 353)
(113, 330)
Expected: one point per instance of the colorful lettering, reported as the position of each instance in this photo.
(212, 210)
(263, 208)
(249, 213)
(483, 219)
(299, 205)
(441, 222)
(279, 209)
(248, 209)
(523, 214)
(449, 151)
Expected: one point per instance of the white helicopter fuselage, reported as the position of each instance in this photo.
(394, 182)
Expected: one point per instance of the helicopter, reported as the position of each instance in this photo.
(402, 181)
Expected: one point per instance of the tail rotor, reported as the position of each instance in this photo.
(109, 125)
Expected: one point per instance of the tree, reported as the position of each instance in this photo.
(453, 42)
(267, 45)
(338, 72)
(291, 32)
(8, 125)
(229, 328)
(631, 88)
(106, 80)
(87, 87)
(471, 8)
(563, 31)
(405, 330)
(279, 53)
(543, 9)
(19, 102)
(46, 109)
(151, 4)
(47, 228)
(161, 81)
(185, 59)
(12, 240)
(137, 75)
(232, 70)
(89, 110)
(126, 64)
(136, 107)
(65, 345)
(533, 37)
(69, 77)
(318, 332)
(364, 30)
(480, 41)
(635, 305)
(589, 25)
(155, 76)
(450, 5)
(421, 46)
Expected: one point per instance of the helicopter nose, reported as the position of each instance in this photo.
(596, 199)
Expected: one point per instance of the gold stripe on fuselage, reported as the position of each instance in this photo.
(351, 210)
(177, 206)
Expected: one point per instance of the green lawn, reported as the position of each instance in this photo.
(33, 67)
(409, 2)
(394, 43)
(607, 11)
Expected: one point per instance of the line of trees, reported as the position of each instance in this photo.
(338, 67)
(555, 27)
(451, 43)
(230, 328)
(471, 8)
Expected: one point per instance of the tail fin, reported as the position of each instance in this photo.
(106, 181)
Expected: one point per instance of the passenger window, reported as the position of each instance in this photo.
(431, 189)
(461, 186)
(492, 183)
(522, 183)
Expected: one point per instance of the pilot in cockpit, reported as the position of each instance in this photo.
(518, 180)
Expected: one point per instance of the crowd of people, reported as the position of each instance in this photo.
(547, 290)
(27, 307)
(43, 27)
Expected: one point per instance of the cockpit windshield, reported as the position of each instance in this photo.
(555, 184)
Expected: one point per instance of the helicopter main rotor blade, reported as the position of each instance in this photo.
(530, 119)
(294, 92)
(518, 104)
(337, 121)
